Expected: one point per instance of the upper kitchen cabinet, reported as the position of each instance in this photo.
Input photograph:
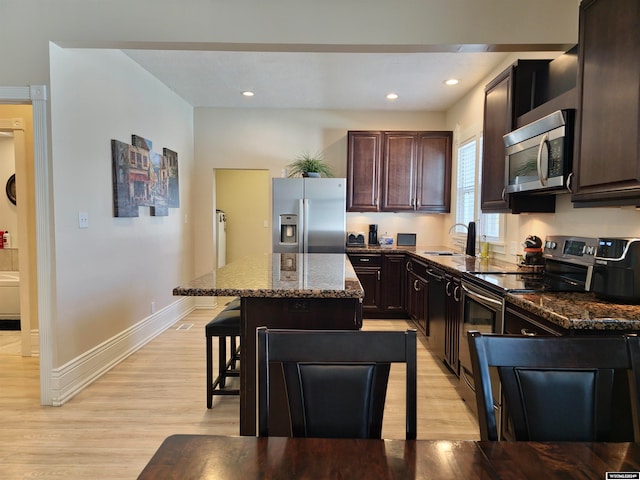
(498, 121)
(433, 181)
(399, 171)
(607, 167)
(363, 171)
(507, 97)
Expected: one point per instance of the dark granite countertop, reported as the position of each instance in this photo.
(455, 264)
(314, 275)
(579, 311)
(571, 310)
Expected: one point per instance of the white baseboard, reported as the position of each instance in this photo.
(69, 379)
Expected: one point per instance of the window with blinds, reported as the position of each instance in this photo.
(467, 194)
(466, 183)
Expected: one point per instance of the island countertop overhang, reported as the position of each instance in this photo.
(275, 275)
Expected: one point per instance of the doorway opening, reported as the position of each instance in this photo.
(18, 299)
(244, 197)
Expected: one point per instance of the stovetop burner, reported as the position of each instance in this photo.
(567, 268)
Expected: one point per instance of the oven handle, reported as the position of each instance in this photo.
(543, 176)
(481, 298)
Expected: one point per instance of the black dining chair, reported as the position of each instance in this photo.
(572, 388)
(336, 380)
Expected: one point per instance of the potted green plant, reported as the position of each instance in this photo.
(308, 165)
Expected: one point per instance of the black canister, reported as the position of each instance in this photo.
(373, 234)
(471, 239)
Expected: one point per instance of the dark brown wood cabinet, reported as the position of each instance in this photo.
(363, 171)
(399, 171)
(453, 316)
(393, 284)
(498, 121)
(518, 321)
(368, 268)
(382, 277)
(506, 97)
(433, 182)
(436, 311)
(607, 167)
(417, 291)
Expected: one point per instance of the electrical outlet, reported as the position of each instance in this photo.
(513, 248)
(83, 220)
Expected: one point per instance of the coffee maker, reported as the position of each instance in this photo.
(373, 234)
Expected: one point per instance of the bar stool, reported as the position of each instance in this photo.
(225, 324)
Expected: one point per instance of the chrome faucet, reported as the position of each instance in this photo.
(470, 247)
(462, 247)
(457, 225)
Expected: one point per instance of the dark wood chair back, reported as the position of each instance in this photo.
(336, 380)
(558, 388)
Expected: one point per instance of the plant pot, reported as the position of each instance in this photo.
(311, 174)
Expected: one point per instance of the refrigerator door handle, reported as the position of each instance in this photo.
(302, 227)
(305, 227)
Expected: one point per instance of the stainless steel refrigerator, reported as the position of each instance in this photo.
(309, 215)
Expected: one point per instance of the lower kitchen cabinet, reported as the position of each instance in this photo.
(393, 284)
(520, 322)
(453, 316)
(417, 285)
(368, 268)
(436, 307)
(382, 277)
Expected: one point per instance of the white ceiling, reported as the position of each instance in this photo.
(318, 80)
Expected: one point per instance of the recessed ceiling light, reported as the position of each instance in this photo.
(248, 93)
(452, 81)
(392, 96)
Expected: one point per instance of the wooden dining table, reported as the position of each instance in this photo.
(191, 457)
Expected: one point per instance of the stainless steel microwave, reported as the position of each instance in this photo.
(539, 155)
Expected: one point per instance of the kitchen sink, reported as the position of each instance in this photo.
(442, 253)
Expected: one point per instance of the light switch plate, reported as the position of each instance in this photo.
(83, 220)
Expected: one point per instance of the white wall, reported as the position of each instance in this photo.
(108, 275)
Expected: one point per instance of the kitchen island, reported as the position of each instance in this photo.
(289, 290)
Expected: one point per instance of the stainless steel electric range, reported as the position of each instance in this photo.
(568, 266)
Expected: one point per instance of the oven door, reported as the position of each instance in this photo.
(482, 311)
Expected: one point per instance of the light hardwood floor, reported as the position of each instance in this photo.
(112, 428)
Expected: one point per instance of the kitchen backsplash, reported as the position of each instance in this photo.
(428, 228)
